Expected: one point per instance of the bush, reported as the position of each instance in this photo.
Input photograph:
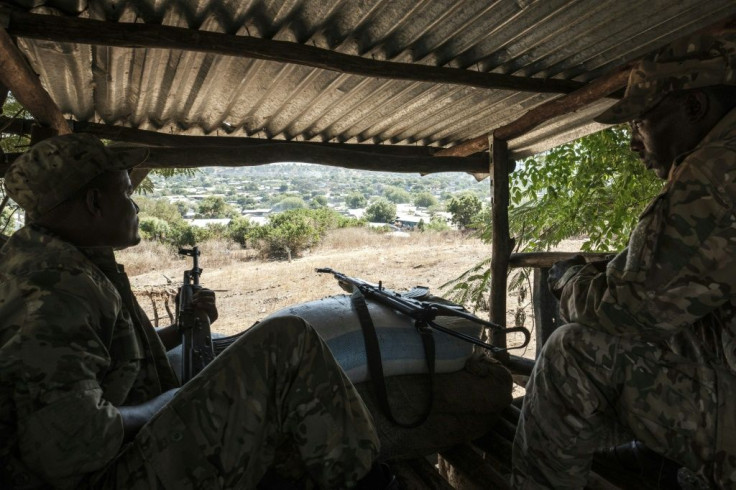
(152, 228)
(437, 223)
(240, 230)
(290, 233)
(291, 202)
(356, 200)
(381, 211)
(397, 195)
(424, 200)
(464, 209)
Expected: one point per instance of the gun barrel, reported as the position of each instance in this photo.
(427, 312)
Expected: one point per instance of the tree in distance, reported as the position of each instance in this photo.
(215, 207)
(355, 200)
(424, 199)
(464, 209)
(396, 195)
(381, 211)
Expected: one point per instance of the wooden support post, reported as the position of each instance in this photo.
(546, 308)
(501, 245)
(17, 76)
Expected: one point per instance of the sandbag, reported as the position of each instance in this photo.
(401, 348)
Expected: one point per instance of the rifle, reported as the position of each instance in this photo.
(194, 325)
(425, 312)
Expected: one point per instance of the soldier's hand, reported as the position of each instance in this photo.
(204, 300)
(558, 270)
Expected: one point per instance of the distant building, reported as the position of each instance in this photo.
(204, 223)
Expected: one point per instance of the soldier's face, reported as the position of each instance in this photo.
(119, 228)
(654, 136)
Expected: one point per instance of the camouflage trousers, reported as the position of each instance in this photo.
(591, 390)
(275, 398)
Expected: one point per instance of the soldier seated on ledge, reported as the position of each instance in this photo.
(87, 396)
(649, 351)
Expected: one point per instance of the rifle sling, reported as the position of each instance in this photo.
(375, 366)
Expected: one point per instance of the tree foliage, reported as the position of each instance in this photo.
(594, 188)
(290, 202)
(464, 208)
(292, 232)
(356, 200)
(214, 207)
(396, 195)
(381, 211)
(424, 199)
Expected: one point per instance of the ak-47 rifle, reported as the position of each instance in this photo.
(425, 312)
(193, 324)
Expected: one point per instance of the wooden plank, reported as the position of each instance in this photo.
(469, 470)
(546, 308)
(19, 78)
(268, 151)
(418, 474)
(153, 138)
(3, 95)
(595, 90)
(548, 259)
(139, 35)
(501, 243)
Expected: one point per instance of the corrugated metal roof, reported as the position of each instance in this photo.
(207, 94)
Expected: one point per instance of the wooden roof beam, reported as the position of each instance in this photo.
(177, 151)
(274, 152)
(595, 90)
(154, 138)
(138, 35)
(592, 92)
(19, 78)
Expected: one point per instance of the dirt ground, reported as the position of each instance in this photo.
(248, 289)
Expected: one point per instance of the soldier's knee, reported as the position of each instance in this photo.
(565, 338)
(289, 327)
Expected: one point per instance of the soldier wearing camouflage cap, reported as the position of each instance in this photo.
(649, 351)
(87, 396)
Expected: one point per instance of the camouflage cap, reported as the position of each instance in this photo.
(701, 60)
(55, 168)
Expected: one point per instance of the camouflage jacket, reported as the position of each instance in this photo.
(72, 348)
(676, 280)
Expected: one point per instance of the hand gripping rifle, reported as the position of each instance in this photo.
(425, 312)
(194, 325)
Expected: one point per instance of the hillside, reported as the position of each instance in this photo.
(249, 289)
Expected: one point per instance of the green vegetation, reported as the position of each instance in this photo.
(215, 207)
(396, 195)
(381, 211)
(356, 200)
(424, 199)
(594, 187)
(465, 209)
(292, 232)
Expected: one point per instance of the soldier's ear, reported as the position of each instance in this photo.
(92, 200)
(697, 105)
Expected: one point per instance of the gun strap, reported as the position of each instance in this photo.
(375, 366)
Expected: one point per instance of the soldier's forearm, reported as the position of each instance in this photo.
(136, 416)
(169, 336)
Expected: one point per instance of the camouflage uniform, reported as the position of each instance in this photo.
(651, 350)
(73, 347)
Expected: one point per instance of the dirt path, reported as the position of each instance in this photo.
(249, 289)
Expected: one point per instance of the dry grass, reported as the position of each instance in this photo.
(248, 289)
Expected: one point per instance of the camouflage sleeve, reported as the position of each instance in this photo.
(65, 427)
(679, 264)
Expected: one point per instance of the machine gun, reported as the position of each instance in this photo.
(194, 325)
(425, 312)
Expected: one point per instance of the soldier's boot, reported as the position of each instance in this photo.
(380, 477)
